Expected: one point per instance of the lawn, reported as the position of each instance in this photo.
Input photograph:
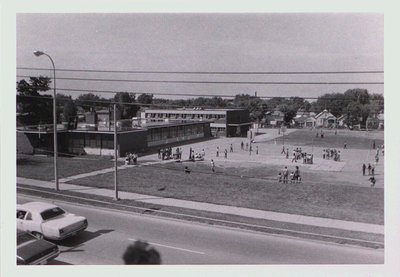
(227, 187)
(42, 167)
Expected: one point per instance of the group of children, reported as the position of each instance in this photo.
(293, 177)
(165, 153)
(131, 159)
(331, 153)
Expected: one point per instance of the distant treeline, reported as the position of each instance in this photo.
(358, 104)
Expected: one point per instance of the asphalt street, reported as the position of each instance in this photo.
(179, 242)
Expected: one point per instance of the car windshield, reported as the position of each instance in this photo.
(24, 237)
(51, 213)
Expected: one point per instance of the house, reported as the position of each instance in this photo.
(325, 119)
(381, 121)
(341, 121)
(375, 122)
(310, 122)
(276, 118)
(300, 121)
(304, 119)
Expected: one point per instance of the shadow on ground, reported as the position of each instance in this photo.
(82, 238)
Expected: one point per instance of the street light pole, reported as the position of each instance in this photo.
(40, 53)
(115, 154)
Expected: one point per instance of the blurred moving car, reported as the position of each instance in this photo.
(34, 251)
(48, 221)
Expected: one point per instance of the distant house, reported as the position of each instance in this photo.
(381, 121)
(303, 112)
(276, 118)
(310, 122)
(325, 119)
(341, 121)
(304, 119)
(375, 121)
(300, 121)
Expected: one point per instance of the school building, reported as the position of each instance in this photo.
(223, 122)
(97, 138)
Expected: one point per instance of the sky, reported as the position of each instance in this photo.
(240, 42)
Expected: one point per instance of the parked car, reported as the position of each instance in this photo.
(34, 251)
(48, 221)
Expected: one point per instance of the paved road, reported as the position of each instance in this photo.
(180, 242)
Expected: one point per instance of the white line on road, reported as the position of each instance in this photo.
(176, 248)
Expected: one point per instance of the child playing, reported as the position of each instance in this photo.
(291, 177)
(280, 177)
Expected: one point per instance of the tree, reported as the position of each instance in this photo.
(357, 113)
(69, 112)
(145, 98)
(126, 106)
(38, 108)
(357, 95)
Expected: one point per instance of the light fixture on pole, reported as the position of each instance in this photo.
(40, 53)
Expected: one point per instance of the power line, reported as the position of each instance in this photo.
(194, 94)
(212, 72)
(98, 101)
(172, 94)
(211, 82)
(161, 104)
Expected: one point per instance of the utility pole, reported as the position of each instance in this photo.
(115, 153)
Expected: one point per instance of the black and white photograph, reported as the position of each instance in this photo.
(211, 139)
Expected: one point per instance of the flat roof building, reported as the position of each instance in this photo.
(223, 122)
(99, 140)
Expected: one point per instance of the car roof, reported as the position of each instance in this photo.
(37, 206)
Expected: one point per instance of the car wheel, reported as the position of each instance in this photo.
(38, 235)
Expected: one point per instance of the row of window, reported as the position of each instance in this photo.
(103, 141)
(185, 116)
(174, 132)
(92, 140)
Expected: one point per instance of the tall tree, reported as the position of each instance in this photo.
(69, 113)
(126, 104)
(37, 107)
(145, 98)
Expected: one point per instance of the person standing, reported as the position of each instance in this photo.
(247, 146)
(345, 145)
(203, 153)
(373, 170)
(363, 169)
(285, 174)
(373, 145)
(212, 166)
(297, 174)
(217, 151)
(226, 153)
(231, 148)
(369, 169)
(190, 154)
(242, 145)
(250, 149)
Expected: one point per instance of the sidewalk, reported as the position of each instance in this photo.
(251, 213)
